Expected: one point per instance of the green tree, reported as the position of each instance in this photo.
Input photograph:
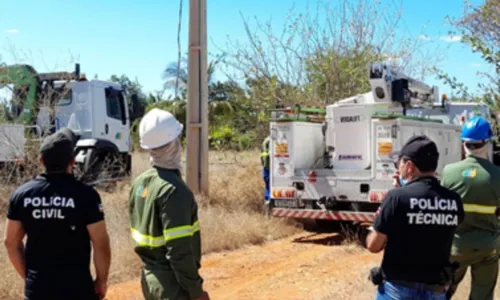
(172, 76)
(221, 95)
(132, 87)
(322, 56)
(479, 28)
(334, 74)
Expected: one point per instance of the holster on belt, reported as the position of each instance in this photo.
(376, 276)
(450, 272)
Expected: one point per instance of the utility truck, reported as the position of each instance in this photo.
(334, 163)
(97, 111)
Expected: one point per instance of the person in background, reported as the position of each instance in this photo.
(264, 160)
(477, 239)
(415, 225)
(60, 217)
(164, 215)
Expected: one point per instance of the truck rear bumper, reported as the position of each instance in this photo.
(342, 215)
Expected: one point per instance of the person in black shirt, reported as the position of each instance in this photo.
(416, 223)
(60, 217)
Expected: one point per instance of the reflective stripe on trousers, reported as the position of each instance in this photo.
(168, 235)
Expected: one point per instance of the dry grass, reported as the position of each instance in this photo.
(230, 218)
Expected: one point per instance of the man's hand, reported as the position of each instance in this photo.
(102, 252)
(101, 288)
(13, 241)
(395, 181)
(204, 296)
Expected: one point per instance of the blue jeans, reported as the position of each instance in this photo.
(390, 291)
(265, 177)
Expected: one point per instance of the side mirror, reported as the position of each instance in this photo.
(134, 106)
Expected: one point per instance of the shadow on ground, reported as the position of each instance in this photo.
(333, 239)
(330, 233)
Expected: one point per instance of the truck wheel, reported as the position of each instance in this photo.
(99, 164)
(331, 225)
(88, 168)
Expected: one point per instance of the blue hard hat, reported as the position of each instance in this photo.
(476, 129)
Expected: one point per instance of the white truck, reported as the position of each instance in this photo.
(343, 173)
(97, 111)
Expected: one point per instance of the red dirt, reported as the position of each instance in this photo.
(305, 266)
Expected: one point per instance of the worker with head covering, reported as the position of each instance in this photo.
(164, 215)
(63, 220)
(477, 180)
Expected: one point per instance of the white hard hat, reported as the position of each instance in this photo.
(158, 128)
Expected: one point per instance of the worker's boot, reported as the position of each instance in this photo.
(267, 208)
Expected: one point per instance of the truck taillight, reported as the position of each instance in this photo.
(312, 177)
(377, 196)
(284, 193)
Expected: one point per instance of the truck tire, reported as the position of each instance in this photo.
(98, 163)
(88, 168)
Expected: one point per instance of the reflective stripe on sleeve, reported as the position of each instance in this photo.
(196, 227)
(147, 240)
(181, 231)
(480, 209)
(264, 154)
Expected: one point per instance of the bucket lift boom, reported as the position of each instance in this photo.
(391, 85)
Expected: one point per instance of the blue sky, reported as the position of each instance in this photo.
(139, 38)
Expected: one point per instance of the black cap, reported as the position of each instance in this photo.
(421, 150)
(57, 150)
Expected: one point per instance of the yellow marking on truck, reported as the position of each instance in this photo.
(384, 148)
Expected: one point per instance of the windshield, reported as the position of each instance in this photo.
(66, 97)
(73, 110)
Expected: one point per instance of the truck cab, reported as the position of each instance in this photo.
(95, 110)
(98, 113)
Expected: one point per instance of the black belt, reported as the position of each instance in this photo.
(435, 288)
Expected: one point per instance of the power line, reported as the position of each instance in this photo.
(178, 48)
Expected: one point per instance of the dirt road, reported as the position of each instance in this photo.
(305, 266)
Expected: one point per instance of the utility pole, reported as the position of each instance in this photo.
(197, 106)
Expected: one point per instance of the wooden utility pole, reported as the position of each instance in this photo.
(197, 106)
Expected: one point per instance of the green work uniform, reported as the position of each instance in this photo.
(166, 232)
(476, 242)
(264, 154)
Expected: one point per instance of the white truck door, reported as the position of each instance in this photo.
(113, 125)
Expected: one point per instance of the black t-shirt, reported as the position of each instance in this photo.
(55, 211)
(419, 220)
